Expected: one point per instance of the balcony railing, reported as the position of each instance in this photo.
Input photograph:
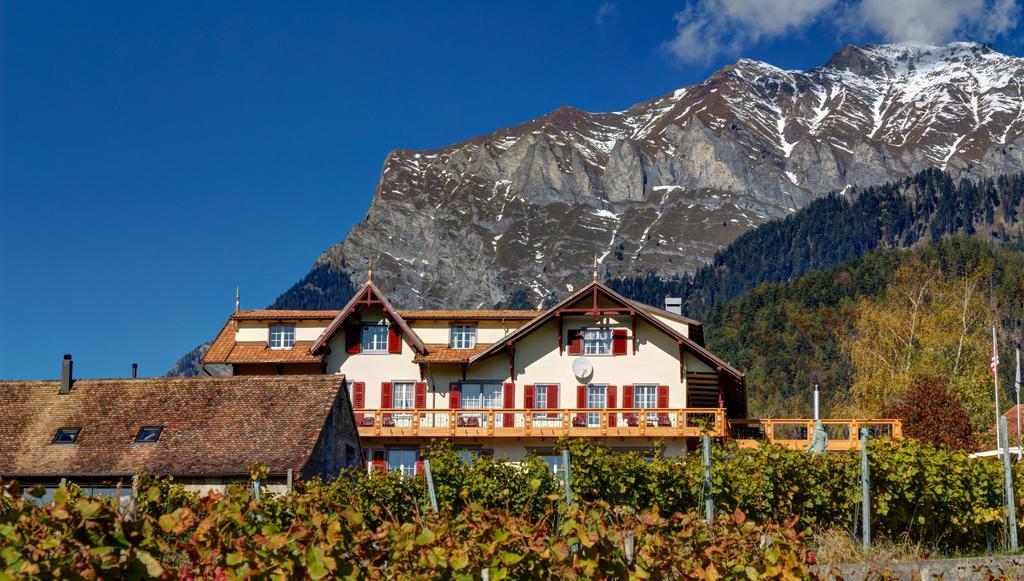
(797, 433)
(546, 423)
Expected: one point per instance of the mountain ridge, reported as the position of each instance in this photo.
(668, 182)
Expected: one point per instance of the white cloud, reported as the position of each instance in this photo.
(606, 11)
(709, 28)
(938, 20)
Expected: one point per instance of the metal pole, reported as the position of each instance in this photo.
(865, 490)
(430, 484)
(1011, 510)
(995, 380)
(1016, 386)
(709, 501)
(568, 487)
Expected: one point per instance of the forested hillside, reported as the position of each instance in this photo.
(840, 227)
(866, 329)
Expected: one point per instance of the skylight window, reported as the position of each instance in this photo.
(149, 434)
(66, 436)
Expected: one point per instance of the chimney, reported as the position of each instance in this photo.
(674, 305)
(135, 370)
(66, 377)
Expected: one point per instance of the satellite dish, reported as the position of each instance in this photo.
(582, 368)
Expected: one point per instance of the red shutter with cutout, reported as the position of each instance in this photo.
(575, 341)
(628, 402)
(619, 339)
(528, 396)
(385, 400)
(613, 417)
(553, 399)
(359, 400)
(510, 402)
(421, 395)
(663, 404)
(394, 339)
(380, 461)
(581, 402)
(352, 339)
(454, 395)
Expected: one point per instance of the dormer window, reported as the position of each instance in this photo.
(66, 436)
(149, 434)
(375, 339)
(282, 336)
(462, 337)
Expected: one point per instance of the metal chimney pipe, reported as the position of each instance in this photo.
(66, 374)
(135, 370)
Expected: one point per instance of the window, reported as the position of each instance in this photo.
(468, 455)
(375, 339)
(596, 399)
(554, 462)
(403, 394)
(66, 436)
(282, 336)
(645, 397)
(403, 461)
(481, 396)
(462, 337)
(597, 341)
(149, 434)
(540, 396)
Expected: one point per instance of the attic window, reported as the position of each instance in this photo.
(66, 436)
(149, 434)
(282, 336)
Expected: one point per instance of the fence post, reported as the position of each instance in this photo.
(1011, 509)
(709, 501)
(865, 490)
(291, 476)
(568, 486)
(430, 484)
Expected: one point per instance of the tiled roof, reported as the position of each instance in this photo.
(211, 426)
(442, 353)
(468, 315)
(225, 350)
(269, 315)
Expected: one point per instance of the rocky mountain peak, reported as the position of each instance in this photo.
(662, 185)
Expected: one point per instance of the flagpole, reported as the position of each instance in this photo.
(995, 381)
(1016, 386)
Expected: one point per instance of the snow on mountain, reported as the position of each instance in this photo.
(664, 184)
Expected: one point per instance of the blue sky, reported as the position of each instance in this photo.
(154, 154)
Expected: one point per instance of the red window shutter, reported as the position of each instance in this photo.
(380, 461)
(528, 400)
(454, 395)
(359, 399)
(581, 402)
(353, 340)
(612, 397)
(419, 464)
(627, 396)
(394, 339)
(575, 341)
(552, 396)
(663, 403)
(385, 395)
(421, 395)
(510, 402)
(619, 340)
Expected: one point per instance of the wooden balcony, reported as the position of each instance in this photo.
(843, 435)
(546, 423)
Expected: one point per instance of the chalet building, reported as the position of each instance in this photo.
(502, 382)
(204, 431)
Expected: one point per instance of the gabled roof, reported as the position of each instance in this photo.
(443, 353)
(641, 311)
(369, 293)
(212, 426)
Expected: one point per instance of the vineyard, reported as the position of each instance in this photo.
(633, 516)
